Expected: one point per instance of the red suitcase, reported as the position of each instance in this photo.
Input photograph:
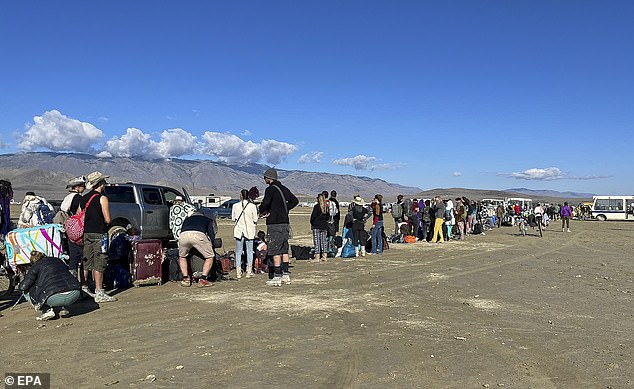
(146, 259)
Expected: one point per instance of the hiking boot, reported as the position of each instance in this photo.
(286, 279)
(203, 283)
(186, 282)
(275, 281)
(250, 274)
(46, 315)
(102, 297)
(64, 312)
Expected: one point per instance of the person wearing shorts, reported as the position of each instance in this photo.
(97, 219)
(277, 201)
(197, 232)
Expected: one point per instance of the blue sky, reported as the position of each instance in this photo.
(476, 94)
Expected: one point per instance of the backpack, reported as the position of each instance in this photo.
(60, 217)
(44, 214)
(332, 209)
(74, 225)
(407, 207)
(397, 211)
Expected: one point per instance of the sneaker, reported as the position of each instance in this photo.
(568, 229)
(203, 283)
(46, 315)
(250, 274)
(64, 312)
(238, 273)
(102, 297)
(186, 282)
(86, 290)
(275, 281)
(563, 230)
(286, 279)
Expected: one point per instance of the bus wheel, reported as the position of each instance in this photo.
(601, 218)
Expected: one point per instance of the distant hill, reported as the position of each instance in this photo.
(46, 173)
(551, 193)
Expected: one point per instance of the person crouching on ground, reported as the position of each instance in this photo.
(197, 232)
(319, 224)
(48, 285)
(277, 201)
(245, 220)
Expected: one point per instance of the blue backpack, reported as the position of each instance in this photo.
(44, 214)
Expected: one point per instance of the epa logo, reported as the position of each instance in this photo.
(26, 380)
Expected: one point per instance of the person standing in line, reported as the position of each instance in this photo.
(97, 219)
(337, 217)
(245, 219)
(319, 224)
(70, 205)
(377, 225)
(359, 216)
(439, 213)
(426, 221)
(499, 215)
(461, 216)
(450, 219)
(566, 213)
(277, 202)
(397, 212)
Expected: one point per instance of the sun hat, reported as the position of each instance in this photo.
(358, 200)
(271, 173)
(77, 181)
(96, 177)
(178, 198)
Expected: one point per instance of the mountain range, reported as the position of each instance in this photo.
(46, 174)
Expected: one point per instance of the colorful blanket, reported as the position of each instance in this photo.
(20, 242)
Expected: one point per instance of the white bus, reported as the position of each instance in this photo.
(525, 204)
(613, 207)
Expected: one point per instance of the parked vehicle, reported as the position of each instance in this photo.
(224, 210)
(613, 207)
(145, 207)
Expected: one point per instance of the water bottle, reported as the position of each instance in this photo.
(104, 244)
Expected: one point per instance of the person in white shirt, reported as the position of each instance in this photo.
(245, 218)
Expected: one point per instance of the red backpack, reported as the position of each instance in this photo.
(74, 225)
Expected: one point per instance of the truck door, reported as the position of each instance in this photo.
(155, 213)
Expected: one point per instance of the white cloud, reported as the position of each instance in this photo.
(546, 174)
(135, 143)
(314, 157)
(57, 132)
(360, 162)
(231, 148)
(456, 174)
(246, 133)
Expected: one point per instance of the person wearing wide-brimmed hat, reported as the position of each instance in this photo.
(277, 201)
(69, 207)
(97, 219)
(178, 212)
(359, 216)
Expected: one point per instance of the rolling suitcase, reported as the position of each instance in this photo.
(146, 259)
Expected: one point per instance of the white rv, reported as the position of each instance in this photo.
(210, 201)
(613, 207)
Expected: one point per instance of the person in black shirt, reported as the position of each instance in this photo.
(277, 201)
(97, 219)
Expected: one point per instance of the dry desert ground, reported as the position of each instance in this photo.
(496, 310)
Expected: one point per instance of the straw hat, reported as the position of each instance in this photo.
(96, 177)
(358, 200)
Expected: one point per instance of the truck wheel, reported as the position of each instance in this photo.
(601, 218)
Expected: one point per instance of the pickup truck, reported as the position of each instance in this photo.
(145, 207)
